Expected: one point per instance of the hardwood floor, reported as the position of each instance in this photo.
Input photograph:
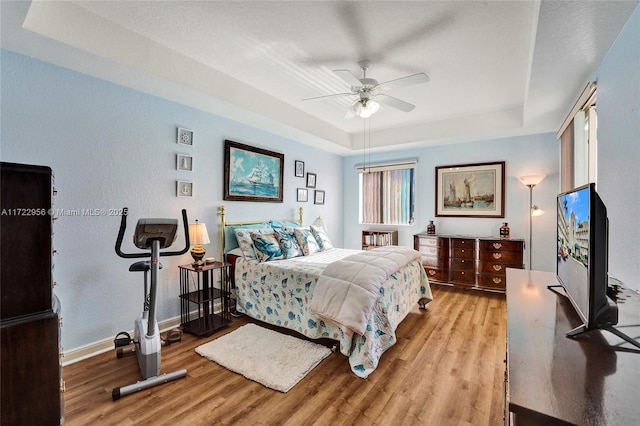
(447, 368)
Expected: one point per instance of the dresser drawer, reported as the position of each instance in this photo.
(463, 243)
(467, 277)
(463, 264)
(492, 281)
(463, 253)
(436, 262)
(509, 257)
(434, 251)
(437, 274)
(496, 268)
(500, 245)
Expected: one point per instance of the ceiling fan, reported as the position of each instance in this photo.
(371, 93)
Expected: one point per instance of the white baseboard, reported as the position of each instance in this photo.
(106, 345)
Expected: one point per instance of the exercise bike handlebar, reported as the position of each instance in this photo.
(123, 227)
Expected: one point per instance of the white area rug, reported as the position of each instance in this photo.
(275, 360)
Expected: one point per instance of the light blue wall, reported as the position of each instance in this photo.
(110, 147)
(619, 150)
(534, 154)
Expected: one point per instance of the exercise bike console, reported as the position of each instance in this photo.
(151, 235)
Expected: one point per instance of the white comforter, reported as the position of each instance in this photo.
(347, 289)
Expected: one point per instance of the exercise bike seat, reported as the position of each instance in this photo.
(142, 266)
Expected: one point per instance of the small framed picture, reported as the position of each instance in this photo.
(318, 197)
(311, 180)
(184, 163)
(303, 195)
(185, 136)
(184, 188)
(299, 168)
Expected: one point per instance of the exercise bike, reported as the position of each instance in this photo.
(152, 235)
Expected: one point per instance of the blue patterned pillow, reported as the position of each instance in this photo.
(306, 240)
(243, 235)
(288, 243)
(266, 246)
(321, 236)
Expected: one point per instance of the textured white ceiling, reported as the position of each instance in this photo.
(497, 68)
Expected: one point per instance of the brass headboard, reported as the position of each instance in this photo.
(224, 224)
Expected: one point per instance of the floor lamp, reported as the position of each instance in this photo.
(531, 181)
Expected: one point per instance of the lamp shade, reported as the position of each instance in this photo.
(531, 179)
(198, 233)
(365, 108)
(319, 223)
(536, 211)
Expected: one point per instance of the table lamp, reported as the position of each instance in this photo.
(198, 236)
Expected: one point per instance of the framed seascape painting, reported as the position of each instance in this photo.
(252, 174)
(470, 190)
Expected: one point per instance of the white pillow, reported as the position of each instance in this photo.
(321, 236)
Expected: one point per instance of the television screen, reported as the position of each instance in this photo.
(574, 247)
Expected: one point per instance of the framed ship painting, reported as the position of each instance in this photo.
(470, 190)
(252, 174)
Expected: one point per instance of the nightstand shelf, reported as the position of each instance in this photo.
(204, 298)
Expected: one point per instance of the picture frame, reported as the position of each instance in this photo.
(184, 163)
(185, 136)
(471, 190)
(184, 188)
(311, 180)
(299, 168)
(318, 196)
(302, 195)
(252, 174)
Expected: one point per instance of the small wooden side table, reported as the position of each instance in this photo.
(204, 298)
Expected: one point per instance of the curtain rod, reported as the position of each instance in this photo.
(391, 165)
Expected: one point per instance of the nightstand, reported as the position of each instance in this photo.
(204, 298)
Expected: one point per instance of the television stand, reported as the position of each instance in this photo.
(610, 328)
(553, 380)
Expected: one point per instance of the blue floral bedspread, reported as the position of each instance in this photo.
(279, 292)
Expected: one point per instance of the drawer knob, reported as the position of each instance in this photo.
(497, 245)
(431, 272)
(497, 267)
(497, 280)
(497, 255)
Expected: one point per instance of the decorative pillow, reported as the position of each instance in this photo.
(321, 236)
(288, 243)
(266, 246)
(276, 224)
(243, 235)
(306, 240)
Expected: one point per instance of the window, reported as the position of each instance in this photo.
(387, 193)
(578, 142)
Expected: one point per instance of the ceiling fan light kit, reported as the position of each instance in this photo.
(369, 92)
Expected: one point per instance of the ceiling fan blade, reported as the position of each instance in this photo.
(323, 97)
(404, 81)
(348, 77)
(394, 102)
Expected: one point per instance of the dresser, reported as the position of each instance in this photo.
(29, 313)
(469, 262)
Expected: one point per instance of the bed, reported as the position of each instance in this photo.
(298, 291)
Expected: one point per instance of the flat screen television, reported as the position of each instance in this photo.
(582, 258)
